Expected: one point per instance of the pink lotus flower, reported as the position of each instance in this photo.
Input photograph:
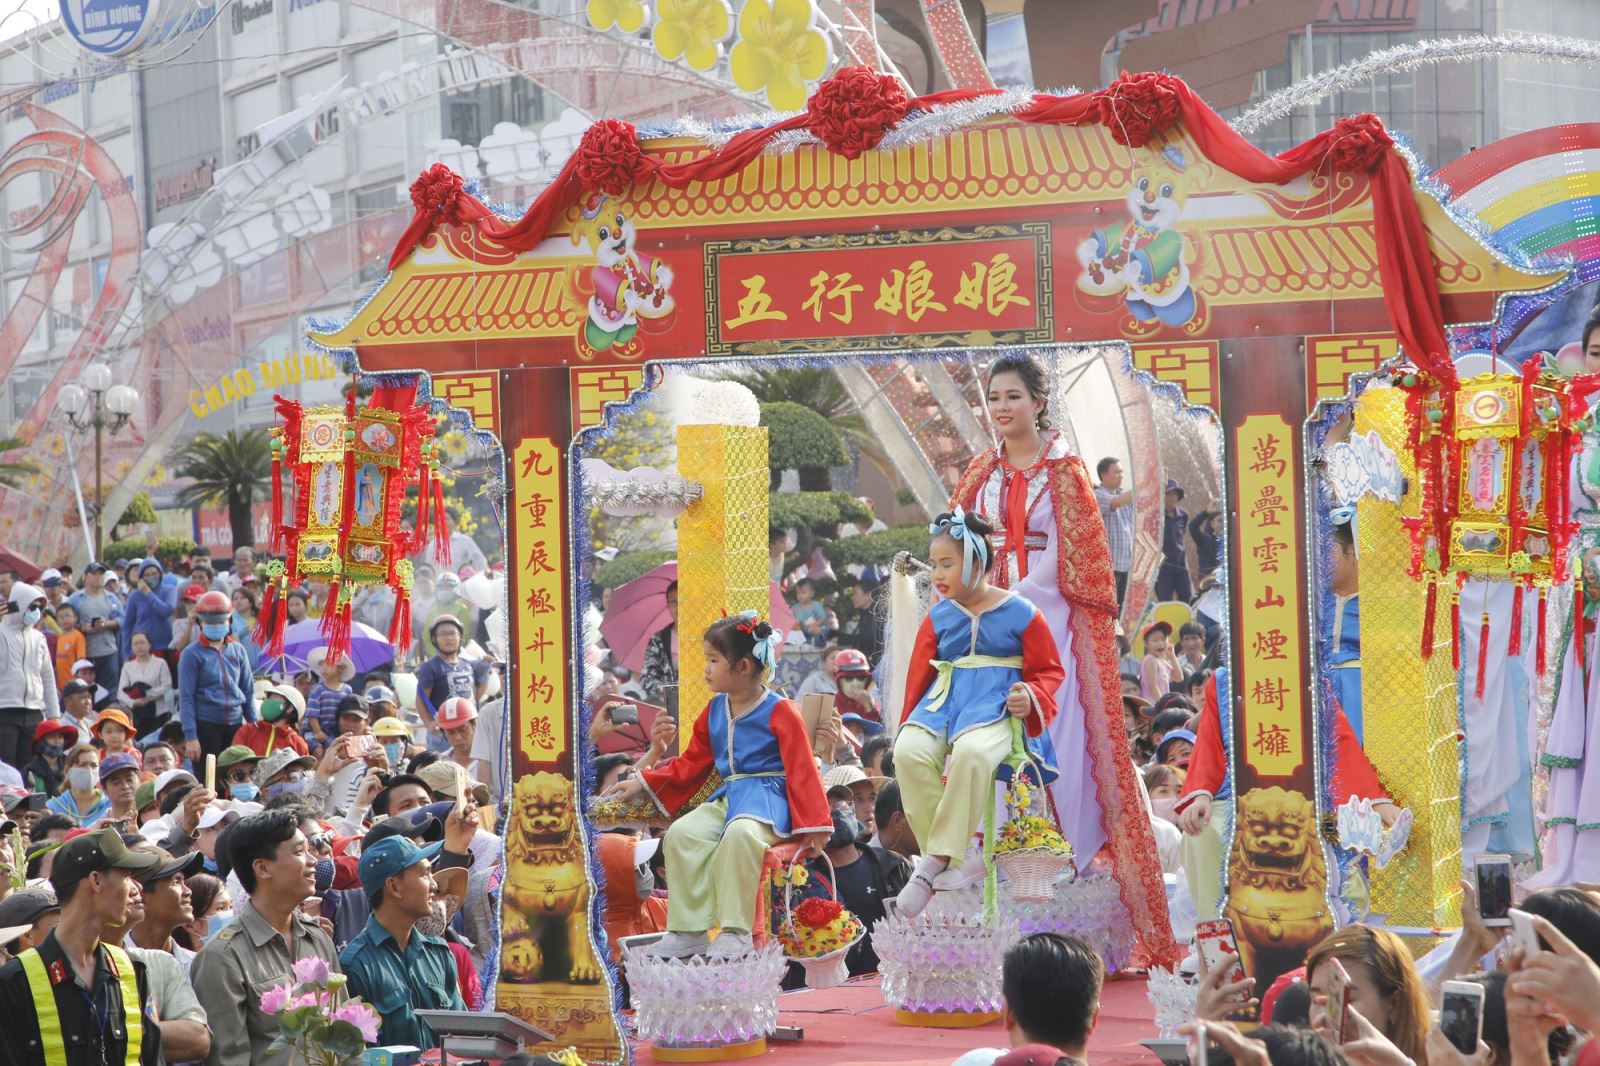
(311, 970)
(361, 1016)
(308, 999)
(275, 999)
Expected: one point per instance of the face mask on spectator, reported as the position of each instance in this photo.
(51, 751)
(435, 922)
(1163, 808)
(296, 784)
(214, 631)
(31, 616)
(271, 710)
(853, 687)
(845, 829)
(244, 790)
(644, 880)
(81, 778)
(395, 750)
(217, 922)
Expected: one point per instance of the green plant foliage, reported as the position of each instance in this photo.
(140, 509)
(799, 438)
(904, 496)
(629, 565)
(816, 511)
(878, 549)
(234, 470)
(13, 473)
(168, 549)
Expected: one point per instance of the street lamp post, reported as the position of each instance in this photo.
(93, 402)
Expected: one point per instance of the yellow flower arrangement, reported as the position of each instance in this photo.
(629, 16)
(779, 51)
(693, 30)
(1027, 832)
(820, 926)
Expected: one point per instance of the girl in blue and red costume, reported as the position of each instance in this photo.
(770, 791)
(983, 657)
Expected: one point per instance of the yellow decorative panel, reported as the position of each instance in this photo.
(476, 393)
(1330, 360)
(1191, 367)
(594, 387)
(1408, 703)
(722, 545)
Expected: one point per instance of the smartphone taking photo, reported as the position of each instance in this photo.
(1523, 934)
(1461, 1015)
(1339, 1002)
(1493, 873)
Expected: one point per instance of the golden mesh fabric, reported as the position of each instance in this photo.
(1408, 704)
(722, 545)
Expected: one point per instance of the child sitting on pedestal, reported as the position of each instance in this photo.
(983, 656)
(770, 791)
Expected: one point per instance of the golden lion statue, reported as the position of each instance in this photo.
(1277, 885)
(547, 883)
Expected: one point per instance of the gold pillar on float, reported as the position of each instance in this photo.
(722, 545)
(1408, 703)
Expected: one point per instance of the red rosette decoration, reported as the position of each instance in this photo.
(1357, 143)
(610, 158)
(817, 912)
(1137, 107)
(436, 190)
(851, 111)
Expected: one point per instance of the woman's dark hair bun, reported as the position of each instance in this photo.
(978, 523)
(762, 630)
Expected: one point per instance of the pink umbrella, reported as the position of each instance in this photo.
(638, 612)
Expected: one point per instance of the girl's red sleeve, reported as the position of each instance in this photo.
(1353, 775)
(1042, 672)
(808, 801)
(674, 782)
(1208, 764)
(920, 671)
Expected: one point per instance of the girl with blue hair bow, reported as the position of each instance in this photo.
(984, 656)
(770, 791)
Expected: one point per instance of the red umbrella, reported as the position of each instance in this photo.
(26, 569)
(638, 612)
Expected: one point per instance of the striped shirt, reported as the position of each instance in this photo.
(322, 704)
(1119, 529)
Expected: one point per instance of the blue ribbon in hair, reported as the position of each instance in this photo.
(974, 548)
(765, 650)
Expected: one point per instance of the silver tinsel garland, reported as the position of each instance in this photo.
(1407, 57)
(672, 494)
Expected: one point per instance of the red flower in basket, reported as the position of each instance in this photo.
(817, 912)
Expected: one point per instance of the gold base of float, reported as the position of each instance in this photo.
(745, 1049)
(953, 1019)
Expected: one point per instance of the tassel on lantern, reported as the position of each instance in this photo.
(424, 494)
(336, 623)
(441, 531)
(1455, 633)
(400, 626)
(1430, 607)
(276, 528)
(1483, 654)
(1538, 640)
(266, 618)
(1514, 642)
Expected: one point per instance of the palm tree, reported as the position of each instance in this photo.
(820, 389)
(12, 474)
(234, 469)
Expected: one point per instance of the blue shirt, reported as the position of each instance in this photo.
(399, 983)
(322, 704)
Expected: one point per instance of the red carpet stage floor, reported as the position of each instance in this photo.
(852, 1026)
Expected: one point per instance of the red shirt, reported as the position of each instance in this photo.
(255, 735)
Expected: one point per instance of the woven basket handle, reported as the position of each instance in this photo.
(788, 888)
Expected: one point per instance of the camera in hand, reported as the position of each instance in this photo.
(625, 714)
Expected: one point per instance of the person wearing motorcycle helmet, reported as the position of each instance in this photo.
(281, 708)
(855, 695)
(215, 693)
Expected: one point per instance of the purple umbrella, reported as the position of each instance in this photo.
(369, 649)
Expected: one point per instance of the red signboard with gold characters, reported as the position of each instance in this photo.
(1133, 214)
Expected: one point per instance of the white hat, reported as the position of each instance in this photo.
(318, 656)
(170, 776)
(226, 811)
(845, 776)
(644, 849)
(82, 664)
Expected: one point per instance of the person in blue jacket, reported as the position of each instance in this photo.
(149, 610)
(215, 691)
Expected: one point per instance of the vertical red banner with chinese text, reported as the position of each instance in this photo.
(1277, 878)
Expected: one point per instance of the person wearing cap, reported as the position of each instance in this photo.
(33, 911)
(1175, 748)
(144, 800)
(285, 770)
(281, 708)
(119, 780)
(458, 718)
(236, 772)
(97, 993)
(184, 1036)
(277, 868)
(1161, 669)
(391, 965)
(445, 778)
(631, 908)
(55, 594)
(27, 674)
(852, 784)
(215, 690)
(447, 674)
(77, 708)
(83, 670)
(322, 703)
(114, 731)
(46, 770)
(100, 621)
(862, 877)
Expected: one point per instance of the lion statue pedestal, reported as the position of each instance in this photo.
(703, 1009)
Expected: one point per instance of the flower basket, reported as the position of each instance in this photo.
(819, 933)
(1029, 849)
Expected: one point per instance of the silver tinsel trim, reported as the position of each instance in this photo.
(1407, 57)
(936, 122)
(674, 493)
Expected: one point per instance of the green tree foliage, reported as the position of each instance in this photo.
(14, 472)
(168, 549)
(820, 389)
(800, 439)
(629, 565)
(878, 549)
(234, 469)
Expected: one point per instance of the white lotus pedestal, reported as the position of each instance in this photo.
(706, 1010)
(942, 970)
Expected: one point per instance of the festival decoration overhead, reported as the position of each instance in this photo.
(350, 467)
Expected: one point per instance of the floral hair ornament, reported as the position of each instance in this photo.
(974, 548)
(765, 651)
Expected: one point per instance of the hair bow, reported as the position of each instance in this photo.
(765, 651)
(974, 548)
(1341, 515)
